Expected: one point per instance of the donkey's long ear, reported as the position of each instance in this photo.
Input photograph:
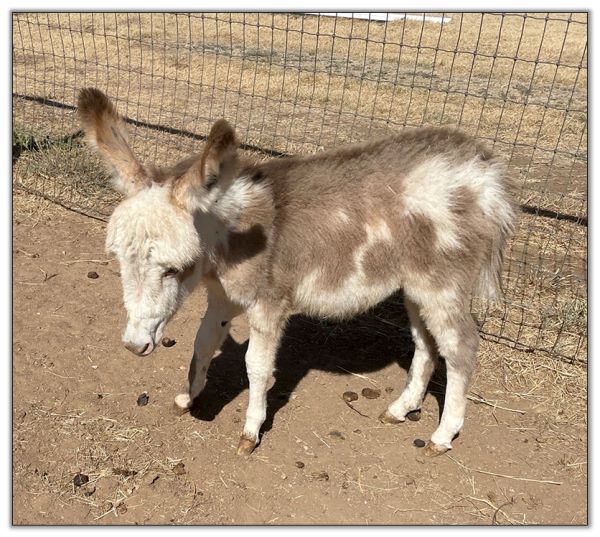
(217, 165)
(105, 132)
(219, 159)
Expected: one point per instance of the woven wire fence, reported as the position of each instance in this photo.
(298, 82)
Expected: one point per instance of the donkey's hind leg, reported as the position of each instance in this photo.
(452, 326)
(421, 369)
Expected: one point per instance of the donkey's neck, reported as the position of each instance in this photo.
(230, 212)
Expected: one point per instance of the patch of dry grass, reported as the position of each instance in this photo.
(558, 389)
(68, 173)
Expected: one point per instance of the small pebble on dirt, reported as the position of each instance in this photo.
(299, 464)
(93, 275)
(143, 399)
(168, 342)
(349, 396)
(179, 469)
(389, 389)
(417, 442)
(80, 479)
(121, 508)
(370, 393)
(320, 476)
(337, 434)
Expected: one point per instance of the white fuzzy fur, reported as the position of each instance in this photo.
(149, 235)
(429, 188)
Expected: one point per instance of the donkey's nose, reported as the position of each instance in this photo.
(140, 350)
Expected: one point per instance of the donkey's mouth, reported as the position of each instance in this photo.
(140, 350)
(147, 349)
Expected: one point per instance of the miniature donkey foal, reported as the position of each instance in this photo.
(427, 210)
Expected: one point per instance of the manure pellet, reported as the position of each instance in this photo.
(167, 342)
(370, 393)
(320, 476)
(349, 396)
(80, 480)
(415, 415)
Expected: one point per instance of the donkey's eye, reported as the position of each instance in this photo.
(170, 271)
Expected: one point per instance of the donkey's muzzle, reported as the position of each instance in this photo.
(139, 350)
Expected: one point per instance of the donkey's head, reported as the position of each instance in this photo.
(152, 231)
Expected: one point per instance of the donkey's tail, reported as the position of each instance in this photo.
(502, 223)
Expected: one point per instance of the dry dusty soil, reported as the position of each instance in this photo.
(85, 451)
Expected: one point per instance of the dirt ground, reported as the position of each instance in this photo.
(521, 458)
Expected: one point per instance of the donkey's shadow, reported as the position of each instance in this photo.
(365, 344)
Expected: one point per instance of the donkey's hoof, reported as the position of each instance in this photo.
(387, 418)
(184, 401)
(246, 446)
(414, 415)
(433, 450)
(182, 404)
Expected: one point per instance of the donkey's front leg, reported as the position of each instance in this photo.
(265, 334)
(209, 338)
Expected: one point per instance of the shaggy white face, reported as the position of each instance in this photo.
(155, 242)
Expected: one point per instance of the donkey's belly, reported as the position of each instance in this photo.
(354, 295)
